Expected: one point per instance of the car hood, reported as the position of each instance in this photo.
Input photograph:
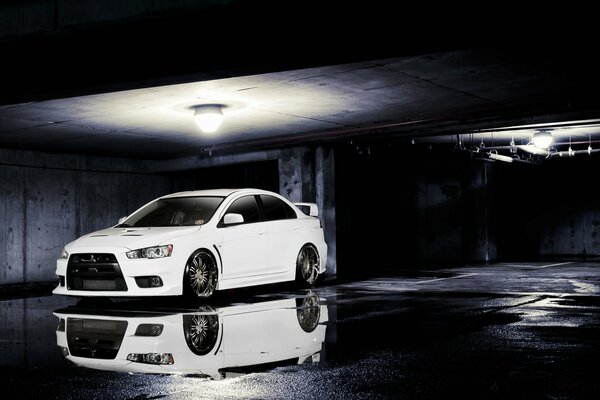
(132, 238)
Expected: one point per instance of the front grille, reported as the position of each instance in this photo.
(95, 338)
(95, 271)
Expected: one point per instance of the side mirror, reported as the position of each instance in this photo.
(233, 219)
(121, 220)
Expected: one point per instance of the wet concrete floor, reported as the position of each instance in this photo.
(518, 331)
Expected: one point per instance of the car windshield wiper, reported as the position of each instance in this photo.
(123, 226)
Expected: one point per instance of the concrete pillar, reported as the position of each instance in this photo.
(291, 176)
(325, 199)
(307, 174)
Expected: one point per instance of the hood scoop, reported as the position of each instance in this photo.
(98, 235)
(131, 234)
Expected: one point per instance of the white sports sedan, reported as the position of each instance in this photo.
(195, 243)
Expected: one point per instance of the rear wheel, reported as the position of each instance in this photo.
(308, 264)
(201, 274)
(308, 312)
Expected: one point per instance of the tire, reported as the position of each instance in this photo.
(308, 312)
(201, 331)
(308, 264)
(201, 274)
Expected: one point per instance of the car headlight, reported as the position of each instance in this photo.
(151, 252)
(151, 358)
(64, 255)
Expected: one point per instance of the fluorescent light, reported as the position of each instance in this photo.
(542, 139)
(500, 157)
(208, 117)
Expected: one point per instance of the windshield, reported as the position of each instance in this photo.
(176, 211)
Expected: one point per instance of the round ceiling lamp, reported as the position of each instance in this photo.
(542, 139)
(208, 117)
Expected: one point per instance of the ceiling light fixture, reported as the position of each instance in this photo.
(208, 117)
(542, 139)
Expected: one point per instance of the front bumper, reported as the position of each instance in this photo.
(169, 269)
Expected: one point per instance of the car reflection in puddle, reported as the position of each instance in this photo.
(213, 342)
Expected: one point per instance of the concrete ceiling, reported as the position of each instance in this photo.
(414, 95)
(117, 78)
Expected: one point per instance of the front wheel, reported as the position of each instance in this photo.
(201, 331)
(201, 274)
(308, 265)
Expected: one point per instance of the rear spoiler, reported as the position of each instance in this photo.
(313, 210)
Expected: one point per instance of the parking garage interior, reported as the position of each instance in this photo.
(462, 252)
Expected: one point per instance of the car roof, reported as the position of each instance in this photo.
(214, 192)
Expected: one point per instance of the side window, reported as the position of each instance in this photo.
(275, 209)
(247, 207)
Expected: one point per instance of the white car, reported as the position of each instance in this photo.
(195, 243)
(211, 342)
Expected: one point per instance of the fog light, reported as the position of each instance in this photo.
(149, 330)
(152, 358)
(64, 351)
(155, 281)
(148, 281)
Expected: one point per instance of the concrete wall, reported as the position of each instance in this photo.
(47, 201)
(552, 209)
(566, 208)
(455, 205)
(438, 203)
(479, 208)
(504, 211)
(400, 206)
